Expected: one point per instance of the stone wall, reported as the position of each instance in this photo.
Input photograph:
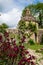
(39, 35)
(15, 31)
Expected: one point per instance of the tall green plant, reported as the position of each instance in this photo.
(3, 27)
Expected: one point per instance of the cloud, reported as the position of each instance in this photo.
(11, 18)
(6, 5)
(11, 10)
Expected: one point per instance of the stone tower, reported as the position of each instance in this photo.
(28, 16)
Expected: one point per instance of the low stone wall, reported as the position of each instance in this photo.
(12, 30)
(39, 34)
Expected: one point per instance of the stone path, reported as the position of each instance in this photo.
(39, 56)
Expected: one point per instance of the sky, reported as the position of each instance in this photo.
(11, 11)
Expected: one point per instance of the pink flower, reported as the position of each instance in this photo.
(21, 47)
(23, 39)
(32, 63)
(1, 38)
(26, 52)
(22, 61)
(16, 50)
(14, 42)
(6, 34)
(33, 57)
(11, 55)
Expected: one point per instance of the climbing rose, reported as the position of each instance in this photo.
(1, 38)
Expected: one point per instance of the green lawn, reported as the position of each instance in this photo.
(34, 47)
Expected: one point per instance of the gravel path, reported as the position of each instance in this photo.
(39, 56)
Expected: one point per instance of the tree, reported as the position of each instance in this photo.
(40, 21)
(3, 27)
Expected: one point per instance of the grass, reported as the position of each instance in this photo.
(34, 47)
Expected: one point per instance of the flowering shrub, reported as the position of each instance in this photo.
(13, 54)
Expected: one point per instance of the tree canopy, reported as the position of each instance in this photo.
(3, 26)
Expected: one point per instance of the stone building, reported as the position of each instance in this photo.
(29, 18)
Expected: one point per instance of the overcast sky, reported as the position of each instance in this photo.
(11, 10)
